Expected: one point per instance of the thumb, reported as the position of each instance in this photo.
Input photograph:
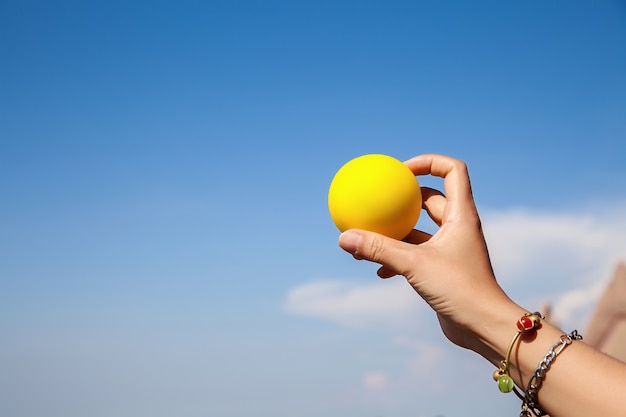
(378, 248)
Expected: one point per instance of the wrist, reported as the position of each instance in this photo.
(498, 334)
(492, 336)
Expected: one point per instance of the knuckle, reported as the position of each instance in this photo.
(375, 248)
(460, 165)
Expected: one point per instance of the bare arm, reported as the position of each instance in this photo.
(452, 272)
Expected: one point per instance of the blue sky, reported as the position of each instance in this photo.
(165, 244)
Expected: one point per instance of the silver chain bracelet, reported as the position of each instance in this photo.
(529, 406)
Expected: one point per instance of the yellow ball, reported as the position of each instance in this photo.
(377, 193)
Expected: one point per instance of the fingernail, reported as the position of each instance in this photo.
(349, 241)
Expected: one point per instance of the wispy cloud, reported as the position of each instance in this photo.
(377, 304)
(375, 381)
(563, 258)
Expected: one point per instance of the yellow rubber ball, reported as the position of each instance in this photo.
(375, 192)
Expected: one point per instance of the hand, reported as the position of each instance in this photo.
(451, 269)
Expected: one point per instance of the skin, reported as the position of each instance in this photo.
(452, 272)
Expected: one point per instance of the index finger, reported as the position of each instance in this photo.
(455, 176)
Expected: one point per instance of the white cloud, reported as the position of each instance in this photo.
(564, 258)
(379, 304)
(375, 381)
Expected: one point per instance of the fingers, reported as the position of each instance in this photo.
(416, 237)
(434, 202)
(395, 256)
(384, 272)
(456, 178)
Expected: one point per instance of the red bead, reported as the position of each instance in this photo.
(525, 323)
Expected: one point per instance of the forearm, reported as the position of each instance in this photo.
(580, 381)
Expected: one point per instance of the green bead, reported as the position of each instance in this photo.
(505, 384)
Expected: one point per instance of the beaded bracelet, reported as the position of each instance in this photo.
(529, 405)
(527, 323)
